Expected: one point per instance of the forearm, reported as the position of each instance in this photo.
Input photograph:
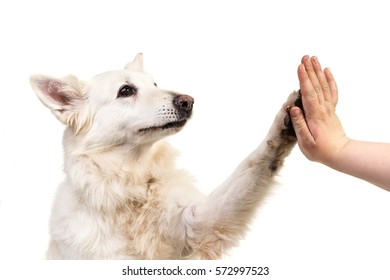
(369, 161)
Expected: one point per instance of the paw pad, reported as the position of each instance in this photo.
(289, 130)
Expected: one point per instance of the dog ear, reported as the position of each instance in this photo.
(137, 64)
(64, 97)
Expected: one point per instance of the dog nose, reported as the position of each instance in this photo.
(183, 103)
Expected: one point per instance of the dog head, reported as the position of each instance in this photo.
(116, 107)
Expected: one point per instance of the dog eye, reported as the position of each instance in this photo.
(155, 85)
(127, 91)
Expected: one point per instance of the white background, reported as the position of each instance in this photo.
(238, 59)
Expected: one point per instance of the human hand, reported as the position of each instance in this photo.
(320, 134)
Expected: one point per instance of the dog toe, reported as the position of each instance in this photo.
(289, 131)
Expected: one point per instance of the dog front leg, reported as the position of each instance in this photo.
(217, 223)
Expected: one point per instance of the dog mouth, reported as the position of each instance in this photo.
(170, 125)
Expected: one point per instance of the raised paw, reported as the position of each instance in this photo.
(289, 131)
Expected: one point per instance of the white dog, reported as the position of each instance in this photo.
(122, 197)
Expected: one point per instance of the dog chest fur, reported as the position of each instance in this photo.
(100, 201)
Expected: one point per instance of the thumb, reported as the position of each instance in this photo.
(300, 126)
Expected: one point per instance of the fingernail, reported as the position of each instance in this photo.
(294, 112)
(327, 69)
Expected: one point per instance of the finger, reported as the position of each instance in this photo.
(312, 74)
(309, 96)
(332, 86)
(324, 94)
(300, 126)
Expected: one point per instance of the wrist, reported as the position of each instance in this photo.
(338, 155)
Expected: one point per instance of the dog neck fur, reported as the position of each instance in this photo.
(104, 178)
